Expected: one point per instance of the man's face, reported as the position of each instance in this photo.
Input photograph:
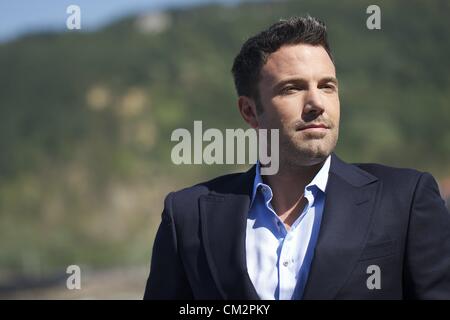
(299, 95)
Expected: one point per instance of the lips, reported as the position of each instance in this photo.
(314, 126)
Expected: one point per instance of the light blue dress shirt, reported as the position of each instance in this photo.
(278, 260)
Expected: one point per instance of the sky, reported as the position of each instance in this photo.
(20, 17)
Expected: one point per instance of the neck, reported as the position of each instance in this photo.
(288, 186)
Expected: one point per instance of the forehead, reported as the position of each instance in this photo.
(301, 60)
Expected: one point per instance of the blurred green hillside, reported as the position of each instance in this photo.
(86, 118)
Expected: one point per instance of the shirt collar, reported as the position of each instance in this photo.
(320, 179)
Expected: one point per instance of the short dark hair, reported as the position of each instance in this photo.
(256, 50)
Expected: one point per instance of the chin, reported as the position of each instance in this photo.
(307, 157)
(315, 150)
(317, 156)
(307, 152)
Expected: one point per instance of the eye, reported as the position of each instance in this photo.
(289, 89)
(328, 87)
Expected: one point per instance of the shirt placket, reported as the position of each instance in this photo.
(287, 262)
(286, 267)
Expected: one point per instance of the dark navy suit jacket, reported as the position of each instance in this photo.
(374, 215)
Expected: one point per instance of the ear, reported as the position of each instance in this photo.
(247, 108)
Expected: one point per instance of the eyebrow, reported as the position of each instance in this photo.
(303, 81)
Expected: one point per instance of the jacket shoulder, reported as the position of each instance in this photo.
(217, 184)
(187, 198)
(398, 178)
(383, 171)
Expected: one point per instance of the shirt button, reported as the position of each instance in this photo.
(286, 263)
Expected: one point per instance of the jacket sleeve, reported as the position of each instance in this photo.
(167, 279)
(427, 261)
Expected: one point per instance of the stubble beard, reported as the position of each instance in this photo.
(300, 149)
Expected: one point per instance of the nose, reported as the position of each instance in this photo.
(313, 105)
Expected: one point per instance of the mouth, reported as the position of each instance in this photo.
(314, 127)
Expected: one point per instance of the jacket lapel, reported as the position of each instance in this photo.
(351, 196)
(223, 216)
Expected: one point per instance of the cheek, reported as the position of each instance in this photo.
(338, 112)
(280, 111)
(334, 108)
(287, 109)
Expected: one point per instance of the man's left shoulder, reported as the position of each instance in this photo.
(397, 177)
(383, 172)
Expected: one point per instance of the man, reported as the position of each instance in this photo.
(318, 229)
